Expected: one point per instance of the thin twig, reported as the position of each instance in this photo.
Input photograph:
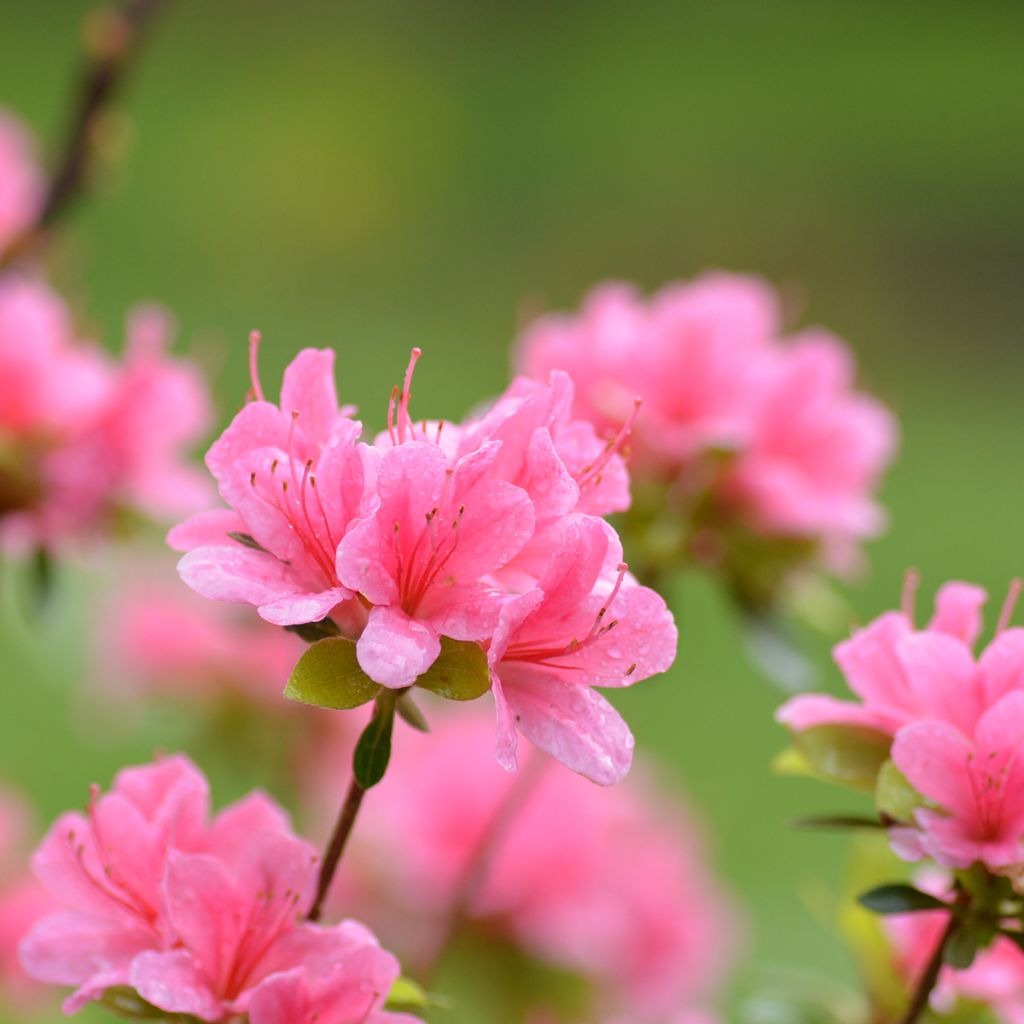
(336, 847)
(116, 42)
(930, 976)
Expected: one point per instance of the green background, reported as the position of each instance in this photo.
(377, 175)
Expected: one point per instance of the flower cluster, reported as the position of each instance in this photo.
(746, 439)
(22, 902)
(484, 532)
(83, 436)
(197, 916)
(610, 885)
(951, 720)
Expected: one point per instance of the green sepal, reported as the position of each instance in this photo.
(899, 898)
(459, 673)
(895, 798)
(373, 750)
(328, 676)
(410, 713)
(407, 995)
(849, 755)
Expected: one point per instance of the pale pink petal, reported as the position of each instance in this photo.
(574, 724)
(257, 425)
(934, 758)
(394, 649)
(300, 608)
(205, 529)
(175, 983)
(366, 561)
(308, 388)
(1001, 665)
(942, 676)
(810, 710)
(234, 827)
(70, 948)
(237, 573)
(281, 999)
(506, 744)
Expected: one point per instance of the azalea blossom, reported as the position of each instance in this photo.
(21, 179)
(83, 436)
(742, 433)
(538, 860)
(194, 915)
(481, 532)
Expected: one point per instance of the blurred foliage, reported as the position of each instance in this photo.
(378, 175)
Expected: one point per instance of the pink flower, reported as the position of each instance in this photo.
(995, 979)
(295, 479)
(540, 859)
(902, 674)
(155, 638)
(439, 530)
(584, 624)
(82, 436)
(22, 903)
(770, 432)
(21, 180)
(194, 915)
(420, 558)
(977, 781)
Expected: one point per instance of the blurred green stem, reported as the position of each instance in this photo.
(336, 846)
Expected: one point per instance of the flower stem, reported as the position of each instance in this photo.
(110, 47)
(930, 976)
(336, 847)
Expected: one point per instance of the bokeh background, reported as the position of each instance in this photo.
(377, 175)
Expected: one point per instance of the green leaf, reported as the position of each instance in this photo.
(1017, 938)
(850, 755)
(791, 762)
(125, 1002)
(962, 947)
(405, 994)
(836, 821)
(460, 672)
(313, 631)
(328, 676)
(373, 751)
(895, 797)
(411, 714)
(899, 898)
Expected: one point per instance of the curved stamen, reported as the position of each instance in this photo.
(1009, 605)
(591, 474)
(908, 598)
(254, 372)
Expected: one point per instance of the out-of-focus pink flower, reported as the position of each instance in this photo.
(955, 719)
(773, 428)
(23, 902)
(82, 435)
(610, 884)
(21, 180)
(995, 979)
(438, 530)
(902, 674)
(194, 915)
(156, 638)
(584, 624)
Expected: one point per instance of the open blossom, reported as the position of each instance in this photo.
(769, 430)
(480, 532)
(995, 979)
(195, 915)
(21, 180)
(611, 885)
(83, 435)
(23, 901)
(955, 720)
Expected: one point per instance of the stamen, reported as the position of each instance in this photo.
(908, 599)
(1009, 605)
(254, 373)
(404, 419)
(617, 445)
(392, 404)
